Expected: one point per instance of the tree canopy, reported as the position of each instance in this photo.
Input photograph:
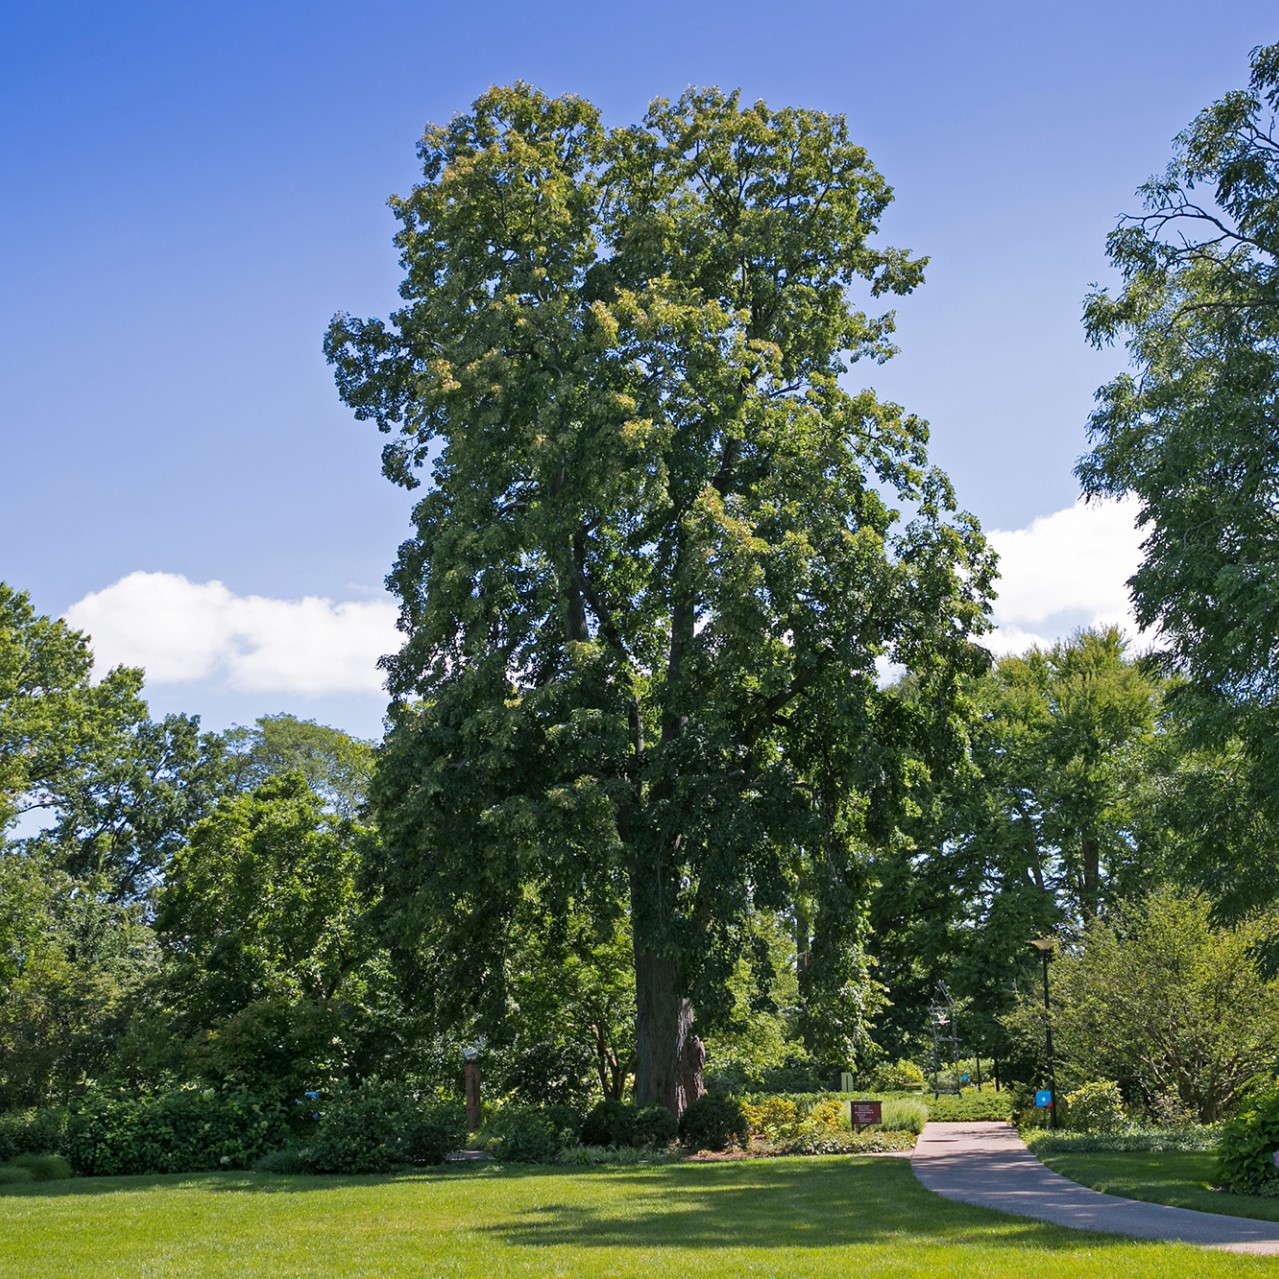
(664, 555)
(1190, 429)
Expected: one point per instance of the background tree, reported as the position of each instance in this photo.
(1165, 1002)
(337, 766)
(1191, 430)
(651, 582)
(1052, 822)
(261, 920)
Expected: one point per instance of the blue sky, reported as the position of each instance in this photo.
(193, 189)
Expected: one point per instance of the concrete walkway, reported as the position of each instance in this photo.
(988, 1164)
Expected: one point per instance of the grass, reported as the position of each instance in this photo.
(782, 1218)
(1182, 1178)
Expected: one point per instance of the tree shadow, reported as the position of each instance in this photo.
(239, 1182)
(819, 1203)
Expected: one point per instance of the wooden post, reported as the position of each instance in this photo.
(474, 1112)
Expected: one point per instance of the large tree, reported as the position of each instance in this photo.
(1192, 429)
(659, 569)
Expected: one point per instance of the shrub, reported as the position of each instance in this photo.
(713, 1123)
(1245, 1157)
(13, 1175)
(364, 1129)
(526, 1135)
(43, 1167)
(899, 1076)
(773, 1118)
(609, 1123)
(1044, 1141)
(904, 1114)
(1097, 1107)
(655, 1126)
(24, 1132)
(288, 1162)
(827, 1118)
(180, 1131)
(434, 1130)
(593, 1156)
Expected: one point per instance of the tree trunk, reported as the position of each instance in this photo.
(1091, 895)
(669, 1057)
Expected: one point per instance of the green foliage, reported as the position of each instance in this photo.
(435, 1129)
(902, 1075)
(1097, 1107)
(655, 1126)
(362, 1129)
(14, 1175)
(1045, 831)
(1245, 1157)
(618, 1156)
(1163, 1000)
(609, 1123)
(533, 1134)
(713, 1123)
(970, 1106)
(661, 559)
(337, 767)
(184, 1131)
(290, 1161)
(1136, 1139)
(1188, 429)
(29, 1132)
(44, 1167)
(904, 1115)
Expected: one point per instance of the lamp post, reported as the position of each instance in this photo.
(1047, 947)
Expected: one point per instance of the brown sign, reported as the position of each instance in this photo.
(867, 1112)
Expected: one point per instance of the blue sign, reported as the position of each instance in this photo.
(1043, 1097)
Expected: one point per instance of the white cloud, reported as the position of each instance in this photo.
(185, 632)
(1066, 570)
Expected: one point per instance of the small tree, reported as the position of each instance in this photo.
(1166, 1002)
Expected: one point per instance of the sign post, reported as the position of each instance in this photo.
(863, 1113)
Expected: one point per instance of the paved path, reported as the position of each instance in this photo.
(988, 1164)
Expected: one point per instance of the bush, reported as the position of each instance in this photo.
(364, 1129)
(13, 1175)
(1043, 1141)
(434, 1130)
(28, 1132)
(899, 1076)
(714, 1123)
(43, 1167)
(290, 1161)
(530, 1134)
(609, 1123)
(773, 1118)
(655, 1126)
(181, 1131)
(1097, 1107)
(1245, 1157)
(904, 1114)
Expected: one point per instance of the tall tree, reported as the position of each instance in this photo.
(1191, 430)
(659, 566)
(1052, 824)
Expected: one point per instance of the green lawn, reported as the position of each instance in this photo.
(851, 1218)
(1181, 1178)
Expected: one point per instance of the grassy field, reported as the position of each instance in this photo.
(822, 1218)
(1181, 1178)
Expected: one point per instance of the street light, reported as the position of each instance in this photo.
(1047, 948)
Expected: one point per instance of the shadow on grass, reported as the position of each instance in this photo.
(819, 1203)
(260, 1183)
